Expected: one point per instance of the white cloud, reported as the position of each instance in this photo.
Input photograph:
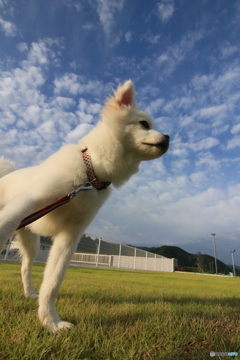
(209, 160)
(233, 143)
(219, 129)
(165, 10)
(155, 106)
(213, 111)
(47, 130)
(32, 114)
(67, 83)
(128, 36)
(198, 178)
(200, 82)
(74, 84)
(75, 135)
(7, 8)
(178, 147)
(63, 103)
(151, 38)
(8, 27)
(41, 53)
(219, 87)
(186, 121)
(89, 26)
(19, 87)
(235, 129)
(89, 107)
(176, 53)
(204, 144)
(22, 47)
(83, 117)
(228, 50)
(180, 163)
(231, 76)
(73, 4)
(106, 10)
(115, 40)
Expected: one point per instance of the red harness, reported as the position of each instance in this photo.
(92, 182)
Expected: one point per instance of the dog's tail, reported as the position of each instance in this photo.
(6, 166)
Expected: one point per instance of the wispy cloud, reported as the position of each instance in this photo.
(236, 128)
(168, 60)
(204, 144)
(151, 38)
(233, 143)
(9, 28)
(75, 84)
(212, 111)
(106, 10)
(165, 10)
(228, 50)
(74, 4)
(128, 36)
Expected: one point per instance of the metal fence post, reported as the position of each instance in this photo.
(98, 251)
(146, 261)
(135, 255)
(119, 255)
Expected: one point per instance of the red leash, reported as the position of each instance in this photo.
(38, 214)
(92, 181)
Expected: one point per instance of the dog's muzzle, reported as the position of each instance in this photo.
(162, 145)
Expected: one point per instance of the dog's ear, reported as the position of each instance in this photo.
(125, 94)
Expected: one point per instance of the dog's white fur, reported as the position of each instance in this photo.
(117, 145)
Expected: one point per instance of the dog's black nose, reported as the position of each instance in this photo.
(166, 142)
(167, 139)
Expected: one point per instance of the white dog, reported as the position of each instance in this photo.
(110, 153)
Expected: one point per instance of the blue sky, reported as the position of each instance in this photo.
(59, 60)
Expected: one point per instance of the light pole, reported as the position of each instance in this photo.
(215, 251)
(232, 252)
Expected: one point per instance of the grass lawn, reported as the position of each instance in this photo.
(122, 315)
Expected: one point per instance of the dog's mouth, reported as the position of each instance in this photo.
(163, 145)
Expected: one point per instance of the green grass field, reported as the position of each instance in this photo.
(122, 315)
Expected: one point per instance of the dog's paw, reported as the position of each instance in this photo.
(51, 321)
(59, 326)
(62, 325)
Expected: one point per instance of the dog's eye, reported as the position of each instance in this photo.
(145, 124)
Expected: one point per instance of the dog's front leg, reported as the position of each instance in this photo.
(60, 255)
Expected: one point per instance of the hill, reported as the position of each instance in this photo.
(201, 262)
